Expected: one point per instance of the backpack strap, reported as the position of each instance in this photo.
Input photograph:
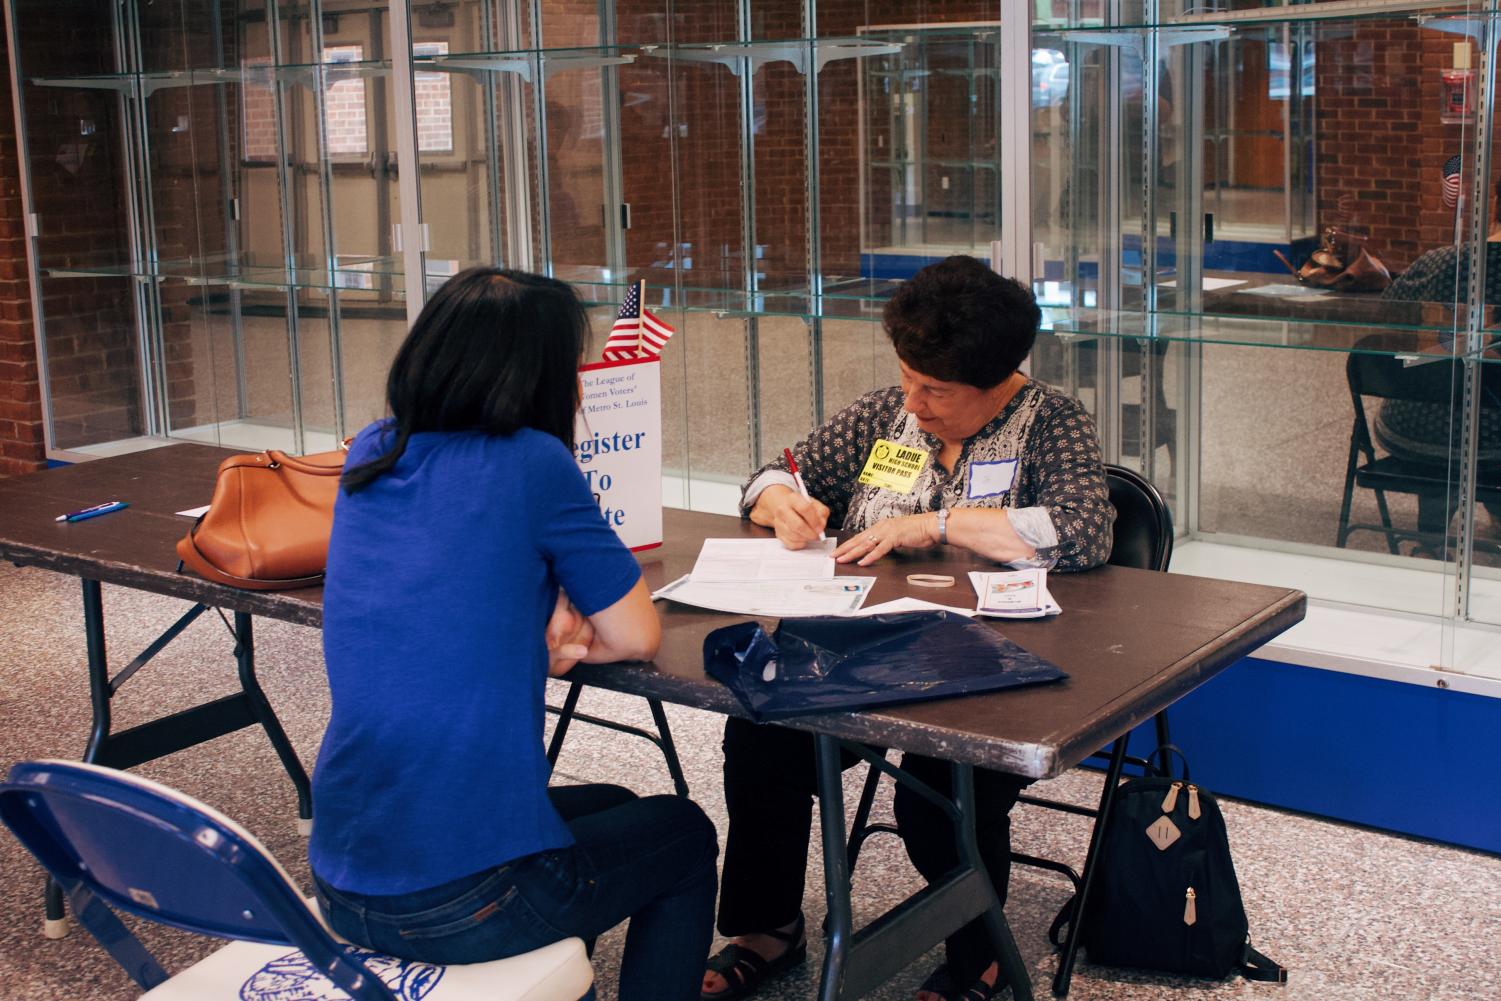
(1256, 966)
(1164, 767)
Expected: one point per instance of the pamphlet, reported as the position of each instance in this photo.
(1013, 594)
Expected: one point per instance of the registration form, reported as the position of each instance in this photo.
(762, 559)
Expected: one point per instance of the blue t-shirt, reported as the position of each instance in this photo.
(442, 574)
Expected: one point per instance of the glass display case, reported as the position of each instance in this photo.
(1265, 265)
(1258, 233)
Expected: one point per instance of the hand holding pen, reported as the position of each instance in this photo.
(108, 507)
(797, 518)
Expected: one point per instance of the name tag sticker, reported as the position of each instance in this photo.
(892, 466)
(986, 479)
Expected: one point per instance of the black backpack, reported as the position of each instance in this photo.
(1164, 895)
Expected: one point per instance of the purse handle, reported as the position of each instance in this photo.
(193, 559)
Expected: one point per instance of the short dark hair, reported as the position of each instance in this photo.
(959, 321)
(494, 350)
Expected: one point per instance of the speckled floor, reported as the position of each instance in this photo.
(1354, 914)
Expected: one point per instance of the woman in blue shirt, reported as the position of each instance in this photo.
(469, 562)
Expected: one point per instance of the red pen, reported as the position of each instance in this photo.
(797, 477)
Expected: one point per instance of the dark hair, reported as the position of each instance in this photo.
(493, 350)
(959, 321)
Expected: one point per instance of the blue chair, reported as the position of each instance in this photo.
(118, 842)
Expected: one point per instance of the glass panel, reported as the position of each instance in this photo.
(1275, 465)
(1485, 580)
(92, 365)
(691, 233)
(708, 392)
(931, 149)
(77, 117)
(857, 358)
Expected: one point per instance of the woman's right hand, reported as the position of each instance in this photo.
(569, 636)
(796, 519)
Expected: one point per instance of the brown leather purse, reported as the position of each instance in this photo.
(1343, 262)
(267, 527)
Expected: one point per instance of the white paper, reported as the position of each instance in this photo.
(774, 598)
(762, 559)
(1287, 291)
(1212, 284)
(194, 512)
(912, 605)
(1013, 603)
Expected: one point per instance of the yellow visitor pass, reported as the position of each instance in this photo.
(892, 466)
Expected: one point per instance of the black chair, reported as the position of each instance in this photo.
(568, 712)
(1143, 540)
(1435, 384)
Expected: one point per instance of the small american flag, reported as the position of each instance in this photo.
(636, 333)
(1451, 181)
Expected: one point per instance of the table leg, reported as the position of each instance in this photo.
(55, 922)
(835, 866)
(1070, 952)
(1013, 969)
(857, 963)
(261, 708)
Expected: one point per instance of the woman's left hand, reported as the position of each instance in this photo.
(913, 531)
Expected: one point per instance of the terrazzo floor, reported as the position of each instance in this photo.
(1354, 914)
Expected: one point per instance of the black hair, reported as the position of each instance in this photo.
(494, 350)
(959, 321)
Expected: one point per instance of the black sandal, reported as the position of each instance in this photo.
(745, 971)
(939, 982)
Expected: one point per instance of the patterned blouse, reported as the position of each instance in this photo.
(1048, 433)
(1431, 432)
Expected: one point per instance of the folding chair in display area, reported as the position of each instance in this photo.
(118, 842)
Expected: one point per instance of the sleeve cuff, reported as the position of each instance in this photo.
(770, 478)
(1034, 526)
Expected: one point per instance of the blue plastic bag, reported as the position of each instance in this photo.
(832, 664)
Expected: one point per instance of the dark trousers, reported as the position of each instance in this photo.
(650, 860)
(770, 779)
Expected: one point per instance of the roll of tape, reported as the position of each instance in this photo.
(930, 579)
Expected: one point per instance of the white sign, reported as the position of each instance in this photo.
(619, 446)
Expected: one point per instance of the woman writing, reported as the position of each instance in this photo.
(467, 563)
(1011, 471)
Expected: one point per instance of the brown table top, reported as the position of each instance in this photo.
(1132, 641)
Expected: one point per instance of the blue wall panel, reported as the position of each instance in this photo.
(1401, 757)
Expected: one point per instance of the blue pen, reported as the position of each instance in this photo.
(93, 512)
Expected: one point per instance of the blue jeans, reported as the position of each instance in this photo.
(650, 860)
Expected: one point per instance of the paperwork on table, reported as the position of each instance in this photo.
(779, 598)
(1283, 291)
(912, 605)
(1013, 594)
(760, 577)
(1212, 284)
(762, 559)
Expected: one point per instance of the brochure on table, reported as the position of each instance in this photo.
(619, 446)
(1013, 594)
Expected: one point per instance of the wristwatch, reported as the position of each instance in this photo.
(943, 526)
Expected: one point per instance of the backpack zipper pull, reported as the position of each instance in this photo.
(1190, 908)
(1193, 802)
(1171, 799)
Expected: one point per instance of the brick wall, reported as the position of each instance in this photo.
(1381, 140)
(21, 442)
